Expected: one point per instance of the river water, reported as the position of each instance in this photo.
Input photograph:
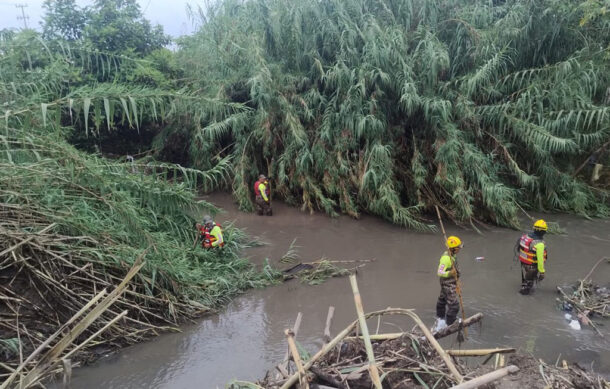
(247, 338)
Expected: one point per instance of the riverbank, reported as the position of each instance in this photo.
(72, 226)
(244, 340)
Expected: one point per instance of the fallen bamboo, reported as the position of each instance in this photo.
(480, 352)
(50, 358)
(44, 345)
(297, 359)
(343, 334)
(365, 333)
(487, 378)
(24, 241)
(455, 327)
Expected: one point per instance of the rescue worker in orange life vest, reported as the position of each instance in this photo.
(532, 254)
(447, 305)
(261, 190)
(210, 233)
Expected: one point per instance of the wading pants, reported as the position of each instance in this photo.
(529, 273)
(263, 207)
(448, 305)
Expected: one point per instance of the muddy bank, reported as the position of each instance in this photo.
(244, 340)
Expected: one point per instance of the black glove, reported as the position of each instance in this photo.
(540, 276)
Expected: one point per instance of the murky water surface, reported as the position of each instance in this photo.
(247, 338)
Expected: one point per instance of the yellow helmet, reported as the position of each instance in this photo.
(453, 242)
(540, 225)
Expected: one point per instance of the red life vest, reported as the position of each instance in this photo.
(257, 190)
(527, 251)
(206, 237)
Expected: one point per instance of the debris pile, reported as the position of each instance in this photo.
(585, 301)
(355, 359)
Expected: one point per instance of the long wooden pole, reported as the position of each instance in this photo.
(297, 359)
(457, 280)
(365, 333)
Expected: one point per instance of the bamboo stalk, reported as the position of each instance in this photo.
(479, 352)
(329, 319)
(455, 327)
(488, 378)
(297, 359)
(365, 333)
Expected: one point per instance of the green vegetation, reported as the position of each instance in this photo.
(73, 223)
(390, 107)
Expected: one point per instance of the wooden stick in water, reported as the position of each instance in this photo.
(329, 319)
(365, 333)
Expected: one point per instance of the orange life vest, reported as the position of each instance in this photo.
(257, 191)
(527, 251)
(206, 237)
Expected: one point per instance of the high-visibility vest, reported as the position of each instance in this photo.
(207, 237)
(257, 189)
(527, 249)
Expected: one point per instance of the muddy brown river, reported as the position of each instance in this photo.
(247, 338)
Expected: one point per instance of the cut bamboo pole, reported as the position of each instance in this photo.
(487, 378)
(283, 367)
(297, 359)
(480, 352)
(329, 319)
(365, 333)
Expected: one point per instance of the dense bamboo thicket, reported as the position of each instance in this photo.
(72, 223)
(391, 106)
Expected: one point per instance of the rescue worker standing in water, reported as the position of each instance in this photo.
(448, 306)
(210, 233)
(261, 190)
(532, 254)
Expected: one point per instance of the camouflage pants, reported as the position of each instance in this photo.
(263, 207)
(529, 273)
(447, 305)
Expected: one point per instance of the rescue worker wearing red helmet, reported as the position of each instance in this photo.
(447, 305)
(532, 255)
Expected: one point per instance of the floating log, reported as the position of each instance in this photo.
(488, 378)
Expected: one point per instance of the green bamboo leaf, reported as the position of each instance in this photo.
(134, 108)
(107, 112)
(86, 105)
(43, 108)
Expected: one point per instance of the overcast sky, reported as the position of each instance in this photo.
(171, 14)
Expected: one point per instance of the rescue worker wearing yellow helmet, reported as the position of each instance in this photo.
(447, 305)
(532, 254)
